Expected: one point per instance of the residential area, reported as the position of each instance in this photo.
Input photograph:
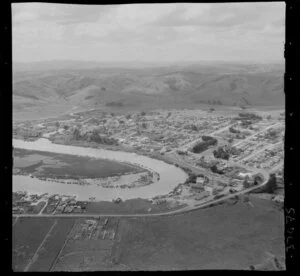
(222, 153)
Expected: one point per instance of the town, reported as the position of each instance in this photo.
(222, 152)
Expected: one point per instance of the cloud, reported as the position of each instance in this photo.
(203, 30)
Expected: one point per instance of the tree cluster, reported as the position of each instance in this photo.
(114, 104)
(249, 116)
(191, 127)
(94, 136)
(207, 141)
(222, 153)
(211, 102)
(233, 130)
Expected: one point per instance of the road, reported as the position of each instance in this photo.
(36, 254)
(179, 211)
(261, 150)
(187, 208)
(190, 144)
(251, 136)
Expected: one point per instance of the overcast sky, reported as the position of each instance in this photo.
(149, 32)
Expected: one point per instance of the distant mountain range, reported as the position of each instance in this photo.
(86, 84)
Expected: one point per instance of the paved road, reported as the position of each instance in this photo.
(179, 211)
(190, 144)
(251, 136)
(261, 150)
(183, 210)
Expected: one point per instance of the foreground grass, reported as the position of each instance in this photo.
(232, 235)
(223, 237)
(132, 206)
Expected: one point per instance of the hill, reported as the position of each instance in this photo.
(228, 84)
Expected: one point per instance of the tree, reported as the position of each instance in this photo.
(76, 133)
(193, 127)
(128, 116)
(230, 140)
(57, 124)
(271, 185)
(66, 127)
(246, 182)
(143, 113)
(192, 178)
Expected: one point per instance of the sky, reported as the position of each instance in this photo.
(179, 32)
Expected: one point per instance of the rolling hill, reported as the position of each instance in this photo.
(255, 85)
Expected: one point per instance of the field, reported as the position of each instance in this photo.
(200, 239)
(37, 241)
(242, 232)
(89, 246)
(133, 206)
(52, 245)
(28, 234)
(46, 164)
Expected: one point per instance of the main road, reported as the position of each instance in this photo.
(182, 210)
(179, 211)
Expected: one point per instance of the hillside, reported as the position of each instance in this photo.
(255, 85)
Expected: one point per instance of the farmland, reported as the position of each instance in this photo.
(198, 240)
(52, 245)
(194, 240)
(133, 206)
(28, 234)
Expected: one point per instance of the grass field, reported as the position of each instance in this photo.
(132, 206)
(52, 245)
(224, 237)
(89, 249)
(232, 235)
(28, 234)
(46, 164)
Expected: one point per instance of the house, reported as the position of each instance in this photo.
(202, 195)
(68, 209)
(244, 175)
(60, 208)
(77, 209)
(197, 186)
(200, 180)
(278, 198)
(209, 189)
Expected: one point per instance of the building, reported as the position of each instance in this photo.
(244, 175)
(200, 180)
(209, 189)
(68, 209)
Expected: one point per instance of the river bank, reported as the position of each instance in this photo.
(170, 176)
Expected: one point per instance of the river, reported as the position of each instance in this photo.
(170, 176)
